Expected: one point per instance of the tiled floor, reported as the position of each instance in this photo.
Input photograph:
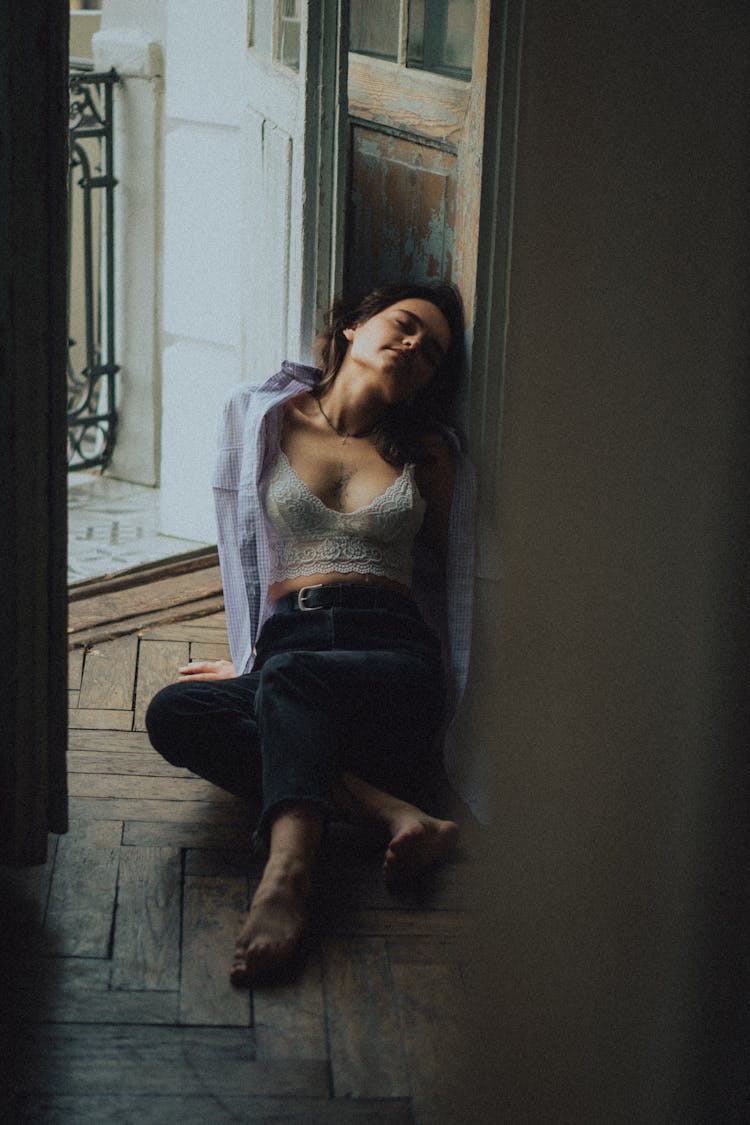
(113, 525)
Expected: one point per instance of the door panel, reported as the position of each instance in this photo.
(414, 113)
(402, 209)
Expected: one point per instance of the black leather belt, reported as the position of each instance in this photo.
(346, 595)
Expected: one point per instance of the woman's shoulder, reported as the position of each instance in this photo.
(290, 379)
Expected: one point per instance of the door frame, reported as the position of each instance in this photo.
(488, 324)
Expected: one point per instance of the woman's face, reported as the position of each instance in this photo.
(404, 343)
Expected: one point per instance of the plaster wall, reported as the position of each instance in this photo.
(82, 27)
(605, 673)
(233, 200)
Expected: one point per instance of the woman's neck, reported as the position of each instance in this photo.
(350, 408)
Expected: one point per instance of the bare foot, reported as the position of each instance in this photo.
(418, 842)
(273, 929)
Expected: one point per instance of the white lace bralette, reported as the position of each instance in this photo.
(306, 537)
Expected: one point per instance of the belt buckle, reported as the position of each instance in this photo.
(302, 594)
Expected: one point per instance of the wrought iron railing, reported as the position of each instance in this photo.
(92, 407)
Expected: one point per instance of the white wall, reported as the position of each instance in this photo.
(210, 234)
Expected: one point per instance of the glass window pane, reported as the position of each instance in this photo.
(373, 28)
(441, 36)
(289, 26)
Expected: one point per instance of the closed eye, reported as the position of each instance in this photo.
(432, 349)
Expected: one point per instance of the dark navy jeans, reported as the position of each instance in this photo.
(332, 690)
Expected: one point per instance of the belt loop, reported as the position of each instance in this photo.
(303, 593)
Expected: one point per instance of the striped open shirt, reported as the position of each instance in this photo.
(249, 436)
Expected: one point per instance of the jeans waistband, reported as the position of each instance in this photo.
(346, 595)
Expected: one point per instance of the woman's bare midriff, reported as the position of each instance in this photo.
(291, 585)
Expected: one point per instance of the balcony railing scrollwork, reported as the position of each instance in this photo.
(92, 407)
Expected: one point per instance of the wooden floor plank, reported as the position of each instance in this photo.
(134, 787)
(367, 1059)
(158, 662)
(24, 894)
(433, 923)
(212, 912)
(115, 763)
(209, 650)
(435, 1026)
(122, 741)
(90, 719)
(187, 834)
(135, 601)
(109, 630)
(210, 628)
(290, 1022)
(147, 931)
(74, 1006)
(212, 1062)
(77, 990)
(351, 877)
(194, 1109)
(75, 668)
(45, 974)
(109, 675)
(82, 891)
(177, 812)
(227, 861)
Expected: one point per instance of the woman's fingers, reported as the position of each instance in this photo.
(207, 670)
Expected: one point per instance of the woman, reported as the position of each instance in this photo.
(342, 505)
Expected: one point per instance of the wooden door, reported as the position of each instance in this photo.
(292, 105)
(415, 110)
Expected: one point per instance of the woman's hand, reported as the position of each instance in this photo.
(207, 670)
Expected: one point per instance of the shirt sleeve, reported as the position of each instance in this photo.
(226, 489)
(444, 589)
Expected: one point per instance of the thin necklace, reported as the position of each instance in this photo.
(344, 434)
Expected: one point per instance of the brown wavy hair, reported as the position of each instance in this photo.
(400, 435)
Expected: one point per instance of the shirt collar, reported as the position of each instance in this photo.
(301, 373)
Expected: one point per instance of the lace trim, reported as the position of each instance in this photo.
(309, 538)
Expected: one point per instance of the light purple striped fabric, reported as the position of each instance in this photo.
(249, 437)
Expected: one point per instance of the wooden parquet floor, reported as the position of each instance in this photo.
(117, 986)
